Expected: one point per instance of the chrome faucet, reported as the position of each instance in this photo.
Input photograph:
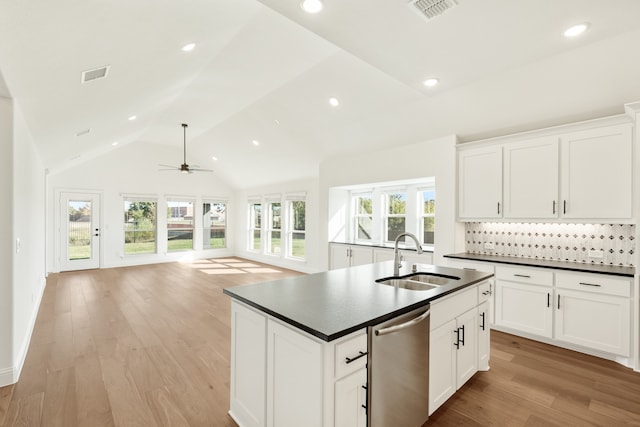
(396, 256)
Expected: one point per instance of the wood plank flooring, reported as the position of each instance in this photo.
(149, 346)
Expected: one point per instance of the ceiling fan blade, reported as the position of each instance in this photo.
(168, 166)
(200, 169)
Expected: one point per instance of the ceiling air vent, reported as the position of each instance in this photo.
(83, 132)
(432, 8)
(96, 73)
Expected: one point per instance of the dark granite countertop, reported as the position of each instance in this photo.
(614, 270)
(336, 303)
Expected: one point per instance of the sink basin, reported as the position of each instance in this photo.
(418, 281)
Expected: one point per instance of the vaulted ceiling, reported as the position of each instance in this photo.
(265, 70)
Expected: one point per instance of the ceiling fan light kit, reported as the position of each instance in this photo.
(184, 167)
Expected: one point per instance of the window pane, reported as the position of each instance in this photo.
(274, 242)
(257, 215)
(79, 228)
(298, 209)
(179, 225)
(395, 226)
(364, 228)
(255, 242)
(364, 205)
(297, 245)
(429, 202)
(429, 230)
(275, 216)
(140, 227)
(397, 203)
(214, 223)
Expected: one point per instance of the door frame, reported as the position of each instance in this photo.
(61, 195)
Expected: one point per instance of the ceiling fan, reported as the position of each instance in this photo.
(184, 167)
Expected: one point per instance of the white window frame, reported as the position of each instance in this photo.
(206, 228)
(193, 223)
(354, 196)
(134, 199)
(289, 223)
(251, 226)
(269, 229)
(386, 195)
(422, 215)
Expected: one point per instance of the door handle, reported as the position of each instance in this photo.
(404, 325)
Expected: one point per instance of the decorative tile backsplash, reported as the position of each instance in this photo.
(558, 242)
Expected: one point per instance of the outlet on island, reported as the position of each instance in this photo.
(489, 246)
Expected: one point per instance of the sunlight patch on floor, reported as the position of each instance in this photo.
(220, 266)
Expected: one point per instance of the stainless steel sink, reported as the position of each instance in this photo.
(418, 281)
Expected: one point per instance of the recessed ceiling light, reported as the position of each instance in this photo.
(132, 118)
(311, 6)
(188, 47)
(431, 82)
(576, 30)
(255, 142)
(114, 143)
(276, 121)
(214, 158)
(334, 102)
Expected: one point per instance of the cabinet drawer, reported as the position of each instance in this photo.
(484, 291)
(597, 283)
(485, 267)
(447, 308)
(536, 276)
(347, 355)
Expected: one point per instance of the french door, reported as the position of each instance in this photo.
(79, 231)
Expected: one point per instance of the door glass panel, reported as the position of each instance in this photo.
(79, 227)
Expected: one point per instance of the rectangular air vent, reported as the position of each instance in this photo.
(432, 8)
(83, 132)
(96, 73)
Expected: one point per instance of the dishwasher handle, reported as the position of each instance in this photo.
(408, 324)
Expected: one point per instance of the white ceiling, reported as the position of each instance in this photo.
(265, 70)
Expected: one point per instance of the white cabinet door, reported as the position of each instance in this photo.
(524, 307)
(248, 366)
(480, 183)
(294, 378)
(339, 256)
(380, 255)
(531, 178)
(351, 400)
(442, 364)
(597, 173)
(361, 255)
(601, 322)
(484, 338)
(467, 349)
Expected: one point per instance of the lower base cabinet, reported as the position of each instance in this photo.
(351, 400)
(524, 307)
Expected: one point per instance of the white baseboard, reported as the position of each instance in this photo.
(7, 376)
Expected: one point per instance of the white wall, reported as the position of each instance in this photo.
(29, 227)
(435, 158)
(133, 170)
(21, 271)
(6, 243)
(313, 239)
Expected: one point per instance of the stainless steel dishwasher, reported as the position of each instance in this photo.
(398, 371)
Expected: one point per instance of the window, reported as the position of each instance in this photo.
(428, 204)
(140, 226)
(395, 214)
(296, 228)
(179, 225)
(274, 229)
(214, 224)
(363, 218)
(255, 226)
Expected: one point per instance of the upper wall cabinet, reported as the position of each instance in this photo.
(531, 178)
(597, 173)
(480, 183)
(583, 175)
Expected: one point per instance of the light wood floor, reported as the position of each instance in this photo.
(149, 346)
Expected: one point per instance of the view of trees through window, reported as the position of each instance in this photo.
(396, 215)
(79, 228)
(255, 226)
(140, 227)
(364, 216)
(296, 232)
(275, 227)
(428, 216)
